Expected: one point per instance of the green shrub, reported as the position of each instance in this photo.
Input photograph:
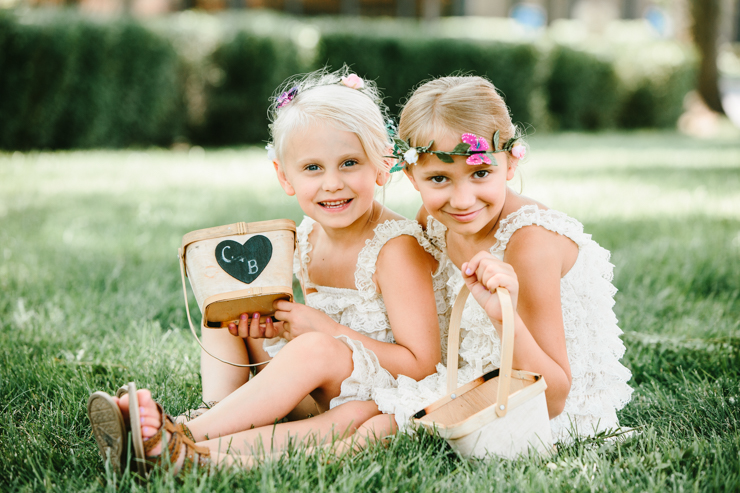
(249, 69)
(656, 100)
(399, 64)
(583, 91)
(69, 82)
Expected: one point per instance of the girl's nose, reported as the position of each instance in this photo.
(462, 197)
(332, 182)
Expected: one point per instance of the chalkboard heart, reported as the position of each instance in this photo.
(244, 262)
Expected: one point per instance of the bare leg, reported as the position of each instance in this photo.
(314, 363)
(372, 430)
(335, 424)
(239, 448)
(220, 379)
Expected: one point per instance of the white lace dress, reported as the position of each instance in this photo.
(363, 309)
(594, 348)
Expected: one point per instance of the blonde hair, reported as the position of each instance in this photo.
(321, 97)
(467, 104)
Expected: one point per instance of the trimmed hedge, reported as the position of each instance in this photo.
(583, 91)
(70, 82)
(400, 64)
(237, 101)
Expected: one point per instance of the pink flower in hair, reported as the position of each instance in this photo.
(477, 144)
(353, 81)
(518, 151)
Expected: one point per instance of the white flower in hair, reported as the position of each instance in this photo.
(411, 156)
(271, 153)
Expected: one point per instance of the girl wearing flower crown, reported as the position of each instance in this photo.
(459, 148)
(375, 294)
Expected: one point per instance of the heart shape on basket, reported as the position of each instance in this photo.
(244, 262)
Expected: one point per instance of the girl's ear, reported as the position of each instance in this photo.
(410, 176)
(282, 179)
(511, 171)
(382, 178)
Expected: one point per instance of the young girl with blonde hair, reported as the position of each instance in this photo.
(375, 293)
(558, 277)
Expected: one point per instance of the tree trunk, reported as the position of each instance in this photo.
(705, 28)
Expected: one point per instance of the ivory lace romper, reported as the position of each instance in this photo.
(363, 309)
(599, 381)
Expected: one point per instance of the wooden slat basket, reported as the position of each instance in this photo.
(238, 268)
(503, 412)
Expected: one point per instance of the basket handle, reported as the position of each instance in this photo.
(181, 256)
(507, 346)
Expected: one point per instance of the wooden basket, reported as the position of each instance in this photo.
(238, 268)
(503, 412)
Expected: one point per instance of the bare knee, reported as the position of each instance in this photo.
(322, 348)
(355, 413)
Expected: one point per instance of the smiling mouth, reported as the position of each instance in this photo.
(467, 217)
(335, 205)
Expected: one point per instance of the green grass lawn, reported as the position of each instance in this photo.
(90, 299)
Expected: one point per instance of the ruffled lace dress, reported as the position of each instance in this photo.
(363, 309)
(599, 381)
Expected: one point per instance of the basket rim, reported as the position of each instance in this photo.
(235, 229)
(470, 423)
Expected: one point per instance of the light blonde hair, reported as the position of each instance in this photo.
(467, 104)
(321, 97)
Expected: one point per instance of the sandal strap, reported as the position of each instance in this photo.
(179, 435)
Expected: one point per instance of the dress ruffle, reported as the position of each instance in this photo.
(599, 381)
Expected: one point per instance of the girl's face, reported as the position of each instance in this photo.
(330, 174)
(467, 199)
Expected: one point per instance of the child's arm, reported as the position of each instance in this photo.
(535, 260)
(404, 277)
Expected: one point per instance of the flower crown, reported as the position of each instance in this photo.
(476, 148)
(353, 81)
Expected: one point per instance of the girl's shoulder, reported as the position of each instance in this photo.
(548, 221)
(397, 244)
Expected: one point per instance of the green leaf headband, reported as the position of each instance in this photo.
(476, 148)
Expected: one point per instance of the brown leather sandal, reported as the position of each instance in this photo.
(180, 436)
(109, 429)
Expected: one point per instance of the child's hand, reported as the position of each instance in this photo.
(300, 319)
(251, 327)
(483, 274)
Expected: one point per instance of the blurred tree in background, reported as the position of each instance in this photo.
(705, 29)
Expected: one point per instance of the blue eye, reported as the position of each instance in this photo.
(349, 162)
(312, 167)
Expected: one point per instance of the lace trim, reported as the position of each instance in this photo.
(368, 257)
(301, 258)
(437, 233)
(366, 378)
(550, 219)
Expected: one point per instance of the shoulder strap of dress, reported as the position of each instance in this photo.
(302, 257)
(550, 219)
(368, 256)
(437, 233)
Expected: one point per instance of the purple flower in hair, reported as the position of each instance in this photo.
(287, 97)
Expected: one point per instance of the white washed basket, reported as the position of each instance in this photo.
(227, 284)
(502, 413)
